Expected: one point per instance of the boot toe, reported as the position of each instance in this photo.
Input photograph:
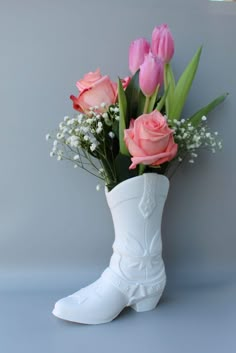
(94, 306)
(65, 308)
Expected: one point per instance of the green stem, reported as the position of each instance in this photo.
(141, 169)
(145, 110)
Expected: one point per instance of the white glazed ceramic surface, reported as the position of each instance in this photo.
(136, 274)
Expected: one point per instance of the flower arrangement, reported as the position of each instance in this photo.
(121, 130)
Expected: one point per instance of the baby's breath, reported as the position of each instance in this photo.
(190, 138)
(84, 138)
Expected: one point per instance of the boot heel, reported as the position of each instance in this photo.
(146, 304)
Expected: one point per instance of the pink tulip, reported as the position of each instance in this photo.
(162, 43)
(151, 74)
(137, 51)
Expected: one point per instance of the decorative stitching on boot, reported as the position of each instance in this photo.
(135, 291)
(148, 200)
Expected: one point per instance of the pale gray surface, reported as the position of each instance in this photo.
(193, 316)
(51, 216)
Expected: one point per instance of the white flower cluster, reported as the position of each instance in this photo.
(85, 139)
(190, 138)
(76, 132)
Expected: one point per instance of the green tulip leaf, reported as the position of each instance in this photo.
(132, 95)
(123, 117)
(183, 86)
(169, 83)
(196, 119)
(141, 103)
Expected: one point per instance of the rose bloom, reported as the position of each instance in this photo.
(150, 140)
(96, 89)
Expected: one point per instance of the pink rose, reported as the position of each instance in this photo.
(88, 80)
(150, 140)
(96, 89)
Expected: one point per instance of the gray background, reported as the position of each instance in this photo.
(55, 229)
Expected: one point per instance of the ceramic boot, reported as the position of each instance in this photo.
(136, 274)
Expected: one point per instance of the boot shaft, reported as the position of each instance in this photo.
(136, 206)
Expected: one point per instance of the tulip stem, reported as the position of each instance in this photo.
(147, 101)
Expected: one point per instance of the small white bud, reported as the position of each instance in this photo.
(194, 155)
(93, 147)
(79, 118)
(59, 136)
(76, 157)
(111, 134)
(105, 115)
(98, 130)
(204, 118)
(61, 125)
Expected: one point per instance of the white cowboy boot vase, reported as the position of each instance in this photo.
(136, 274)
